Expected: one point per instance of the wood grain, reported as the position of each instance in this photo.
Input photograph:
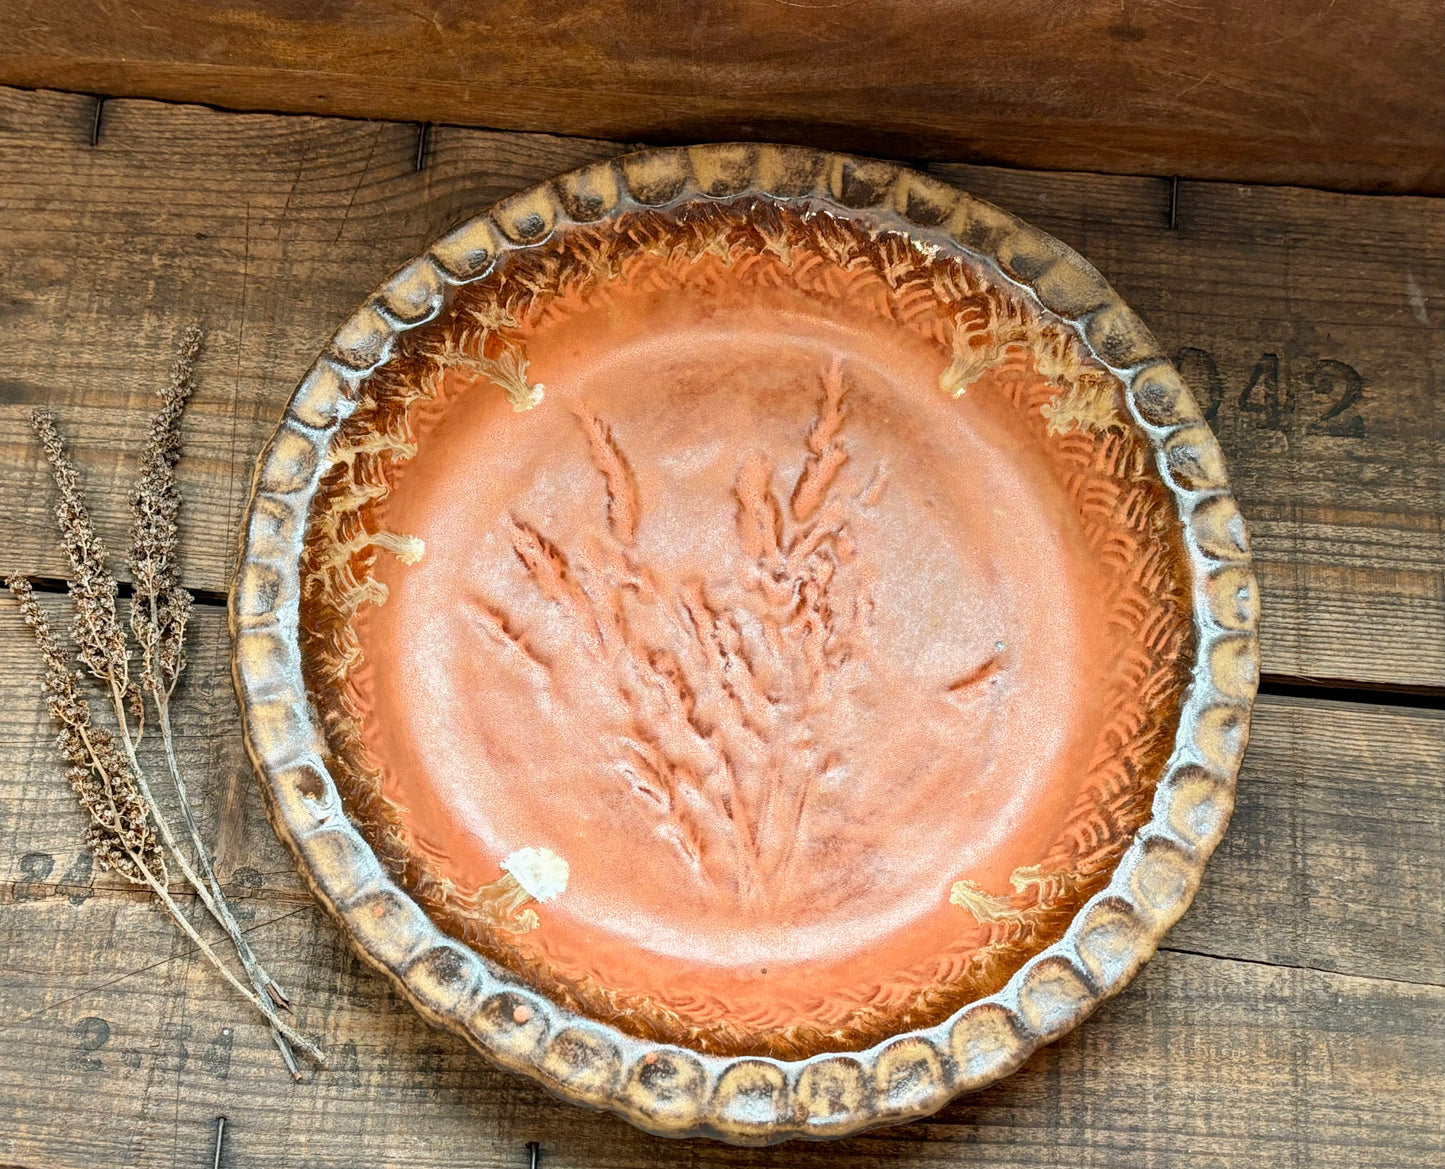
(1319, 1001)
(1340, 95)
(273, 229)
(1200, 1064)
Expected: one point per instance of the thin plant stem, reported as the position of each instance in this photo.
(203, 859)
(216, 905)
(192, 877)
(278, 1025)
(160, 889)
(260, 978)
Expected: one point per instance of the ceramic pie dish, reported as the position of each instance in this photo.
(753, 638)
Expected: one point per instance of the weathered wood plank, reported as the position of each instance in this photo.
(272, 229)
(1335, 858)
(116, 1046)
(1341, 95)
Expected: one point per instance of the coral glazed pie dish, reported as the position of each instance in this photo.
(753, 638)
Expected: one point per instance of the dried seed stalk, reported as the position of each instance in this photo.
(99, 641)
(121, 835)
(160, 609)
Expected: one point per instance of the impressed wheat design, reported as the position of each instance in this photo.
(724, 696)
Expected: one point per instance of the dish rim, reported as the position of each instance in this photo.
(662, 1088)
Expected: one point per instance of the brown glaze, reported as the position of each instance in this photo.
(834, 690)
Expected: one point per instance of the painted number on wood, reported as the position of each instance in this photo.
(92, 1034)
(1332, 391)
(35, 870)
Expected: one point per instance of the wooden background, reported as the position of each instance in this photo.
(1296, 1016)
(1344, 95)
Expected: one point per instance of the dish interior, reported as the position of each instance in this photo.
(801, 597)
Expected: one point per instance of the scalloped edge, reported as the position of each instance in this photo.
(668, 1090)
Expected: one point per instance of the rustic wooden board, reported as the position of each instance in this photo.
(1297, 1012)
(1335, 859)
(273, 229)
(1339, 95)
(1305, 981)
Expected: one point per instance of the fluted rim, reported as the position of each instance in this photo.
(662, 1088)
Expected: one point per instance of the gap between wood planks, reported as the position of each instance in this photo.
(1273, 685)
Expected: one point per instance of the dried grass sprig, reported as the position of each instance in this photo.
(99, 640)
(161, 607)
(120, 835)
(159, 612)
